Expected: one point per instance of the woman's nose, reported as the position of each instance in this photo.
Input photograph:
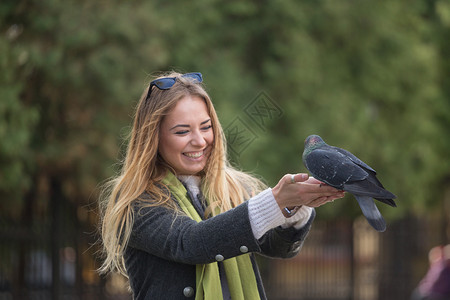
(198, 139)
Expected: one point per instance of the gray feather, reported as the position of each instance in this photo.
(371, 212)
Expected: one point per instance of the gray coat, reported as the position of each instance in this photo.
(164, 248)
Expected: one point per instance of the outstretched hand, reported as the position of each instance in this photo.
(300, 189)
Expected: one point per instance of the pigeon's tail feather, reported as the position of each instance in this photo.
(367, 188)
(371, 212)
(387, 201)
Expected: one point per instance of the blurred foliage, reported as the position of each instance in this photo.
(369, 77)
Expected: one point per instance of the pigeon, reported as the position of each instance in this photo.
(344, 171)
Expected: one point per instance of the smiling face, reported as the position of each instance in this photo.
(186, 136)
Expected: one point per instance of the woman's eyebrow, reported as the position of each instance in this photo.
(179, 125)
(187, 126)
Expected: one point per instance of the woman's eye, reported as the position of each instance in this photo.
(207, 127)
(181, 132)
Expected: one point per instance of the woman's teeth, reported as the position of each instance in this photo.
(194, 154)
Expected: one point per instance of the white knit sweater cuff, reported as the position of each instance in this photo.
(300, 218)
(264, 213)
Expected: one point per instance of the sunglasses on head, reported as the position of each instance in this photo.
(168, 82)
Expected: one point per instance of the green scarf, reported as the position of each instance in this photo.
(239, 271)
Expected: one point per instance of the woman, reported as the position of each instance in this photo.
(179, 221)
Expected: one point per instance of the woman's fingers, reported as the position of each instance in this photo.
(300, 189)
(319, 201)
(316, 202)
(312, 180)
(293, 178)
(325, 190)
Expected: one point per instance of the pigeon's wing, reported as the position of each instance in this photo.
(388, 196)
(368, 188)
(353, 158)
(371, 212)
(333, 167)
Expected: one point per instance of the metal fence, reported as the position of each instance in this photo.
(350, 260)
(52, 255)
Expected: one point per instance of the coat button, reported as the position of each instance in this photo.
(243, 249)
(188, 291)
(219, 257)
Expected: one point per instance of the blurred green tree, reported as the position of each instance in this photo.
(73, 72)
(16, 122)
(367, 77)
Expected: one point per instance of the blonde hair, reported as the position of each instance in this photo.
(143, 170)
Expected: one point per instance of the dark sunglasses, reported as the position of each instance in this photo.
(168, 82)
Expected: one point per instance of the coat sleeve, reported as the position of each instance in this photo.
(176, 237)
(285, 243)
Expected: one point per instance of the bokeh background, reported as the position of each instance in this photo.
(369, 76)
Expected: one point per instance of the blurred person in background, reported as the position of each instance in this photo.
(181, 222)
(436, 283)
